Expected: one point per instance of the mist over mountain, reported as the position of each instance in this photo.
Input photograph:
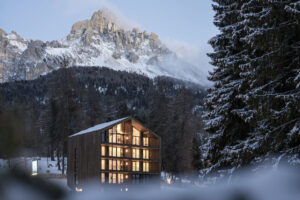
(103, 40)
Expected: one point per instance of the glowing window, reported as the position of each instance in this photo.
(110, 164)
(114, 164)
(110, 151)
(103, 164)
(136, 137)
(119, 128)
(135, 153)
(110, 138)
(112, 178)
(102, 177)
(114, 138)
(136, 132)
(120, 178)
(115, 151)
(34, 167)
(120, 139)
(146, 166)
(118, 165)
(103, 150)
(119, 152)
(135, 166)
(145, 141)
(114, 129)
(145, 154)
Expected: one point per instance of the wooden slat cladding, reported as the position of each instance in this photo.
(83, 153)
(154, 167)
(154, 154)
(71, 165)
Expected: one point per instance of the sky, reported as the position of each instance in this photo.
(184, 25)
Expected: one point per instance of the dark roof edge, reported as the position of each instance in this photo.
(107, 127)
(125, 119)
(145, 127)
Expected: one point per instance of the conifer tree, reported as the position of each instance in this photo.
(273, 29)
(254, 106)
(223, 118)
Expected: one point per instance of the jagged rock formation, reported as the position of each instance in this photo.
(101, 41)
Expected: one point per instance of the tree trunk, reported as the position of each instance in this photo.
(51, 153)
(63, 165)
(8, 162)
(58, 160)
(63, 161)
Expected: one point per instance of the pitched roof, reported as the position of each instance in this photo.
(100, 126)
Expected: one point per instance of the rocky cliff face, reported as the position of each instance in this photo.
(101, 41)
(11, 48)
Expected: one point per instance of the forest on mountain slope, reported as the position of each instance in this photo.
(37, 116)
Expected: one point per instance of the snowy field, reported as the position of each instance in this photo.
(60, 181)
(3, 164)
(45, 165)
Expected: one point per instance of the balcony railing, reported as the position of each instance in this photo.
(130, 171)
(127, 139)
(129, 144)
(130, 158)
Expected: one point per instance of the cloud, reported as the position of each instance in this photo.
(191, 54)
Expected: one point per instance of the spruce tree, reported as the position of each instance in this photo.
(254, 105)
(223, 118)
(273, 29)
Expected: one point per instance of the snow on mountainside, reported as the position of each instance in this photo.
(100, 41)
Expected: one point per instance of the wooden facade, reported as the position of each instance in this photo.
(118, 152)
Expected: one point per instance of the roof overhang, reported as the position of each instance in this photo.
(110, 124)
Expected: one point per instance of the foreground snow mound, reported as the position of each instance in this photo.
(264, 185)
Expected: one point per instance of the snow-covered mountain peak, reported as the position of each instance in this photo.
(103, 40)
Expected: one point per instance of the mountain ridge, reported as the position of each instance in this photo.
(102, 40)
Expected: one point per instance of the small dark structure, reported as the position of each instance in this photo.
(122, 152)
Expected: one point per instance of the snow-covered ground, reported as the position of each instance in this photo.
(3, 164)
(45, 165)
(60, 181)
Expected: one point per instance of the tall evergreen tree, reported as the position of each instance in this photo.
(223, 118)
(253, 108)
(273, 73)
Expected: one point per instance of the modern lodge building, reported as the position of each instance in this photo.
(122, 151)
